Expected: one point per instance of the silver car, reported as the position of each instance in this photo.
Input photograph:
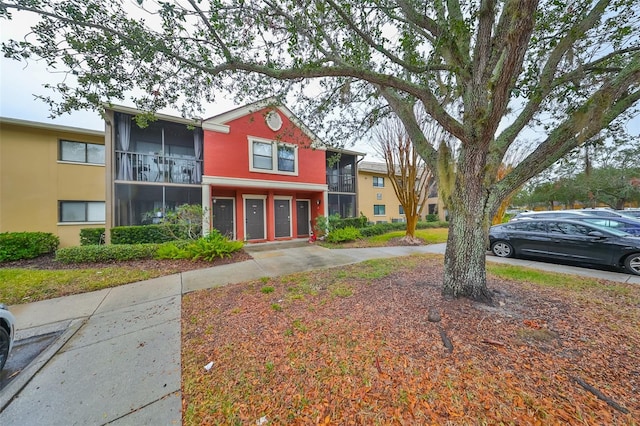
(7, 333)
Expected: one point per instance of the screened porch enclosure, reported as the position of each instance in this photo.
(147, 204)
(161, 152)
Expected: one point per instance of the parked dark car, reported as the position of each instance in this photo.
(548, 214)
(631, 212)
(7, 332)
(566, 240)
(604, 212)
(630, 226)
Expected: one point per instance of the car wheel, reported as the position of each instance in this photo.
(632, 264)
(502, 249)
(4, 347)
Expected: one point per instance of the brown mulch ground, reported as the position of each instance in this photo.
(355, 346)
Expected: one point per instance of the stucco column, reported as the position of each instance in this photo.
(206, 209)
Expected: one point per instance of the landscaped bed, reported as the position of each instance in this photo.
(363, 345)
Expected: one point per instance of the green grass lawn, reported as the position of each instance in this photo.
(19, 286)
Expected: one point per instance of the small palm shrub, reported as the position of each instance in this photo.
(208, 248)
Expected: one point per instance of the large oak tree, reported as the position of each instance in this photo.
(487, 71)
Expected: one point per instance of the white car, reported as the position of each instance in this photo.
(7, 333)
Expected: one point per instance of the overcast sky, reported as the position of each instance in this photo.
(20, 82)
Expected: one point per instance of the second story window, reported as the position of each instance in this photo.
(286, 158)
(273, 157)
(81, 152)
(378, 182)
(262, 156)
(379, 210)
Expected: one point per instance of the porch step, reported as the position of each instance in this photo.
(275, 245)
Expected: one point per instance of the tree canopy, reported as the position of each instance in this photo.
(496, 75)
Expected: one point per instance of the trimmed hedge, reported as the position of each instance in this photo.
(147, 234)
(383, 228)
(106, 253)
(91, 236)
(26, 245)
(354, 222)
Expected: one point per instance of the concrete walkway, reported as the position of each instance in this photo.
(117, 361)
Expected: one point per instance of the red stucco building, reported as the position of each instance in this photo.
(259, 173)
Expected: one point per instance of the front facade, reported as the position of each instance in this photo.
(52, 179)
(378, 201)
(258, 172)
(264, 174)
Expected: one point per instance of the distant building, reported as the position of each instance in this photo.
(378, 201)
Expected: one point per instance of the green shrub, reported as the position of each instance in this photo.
(343, 235)
(91, 236)
(106, 253)
(147, 234)
(382, 228)
(26, 245)
(432, 217)
(436, 224)
(206, 248)
(173, 250)
(356, 222)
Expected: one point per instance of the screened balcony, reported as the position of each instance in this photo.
(160, 152)
(340, 183)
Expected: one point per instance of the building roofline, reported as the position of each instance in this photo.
(221, 120)
(165, 117)
(346, 151)
(50, 126)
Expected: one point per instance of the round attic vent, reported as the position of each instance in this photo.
(274, 121)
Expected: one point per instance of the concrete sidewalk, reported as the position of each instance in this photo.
(118, 359)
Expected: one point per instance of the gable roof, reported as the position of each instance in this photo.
(218, 123)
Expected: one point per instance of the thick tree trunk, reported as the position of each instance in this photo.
(470, 217)
(464, 264)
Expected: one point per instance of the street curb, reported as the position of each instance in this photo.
(16, 385)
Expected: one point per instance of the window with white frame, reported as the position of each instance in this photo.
(379, 210)
(82, 211)
(400, 209)
(273, 157)
(378, 182)
(81, 152)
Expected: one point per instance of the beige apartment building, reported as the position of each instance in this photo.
(52, 179)
(378, 201)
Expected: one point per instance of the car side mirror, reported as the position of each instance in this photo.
(596, 234)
